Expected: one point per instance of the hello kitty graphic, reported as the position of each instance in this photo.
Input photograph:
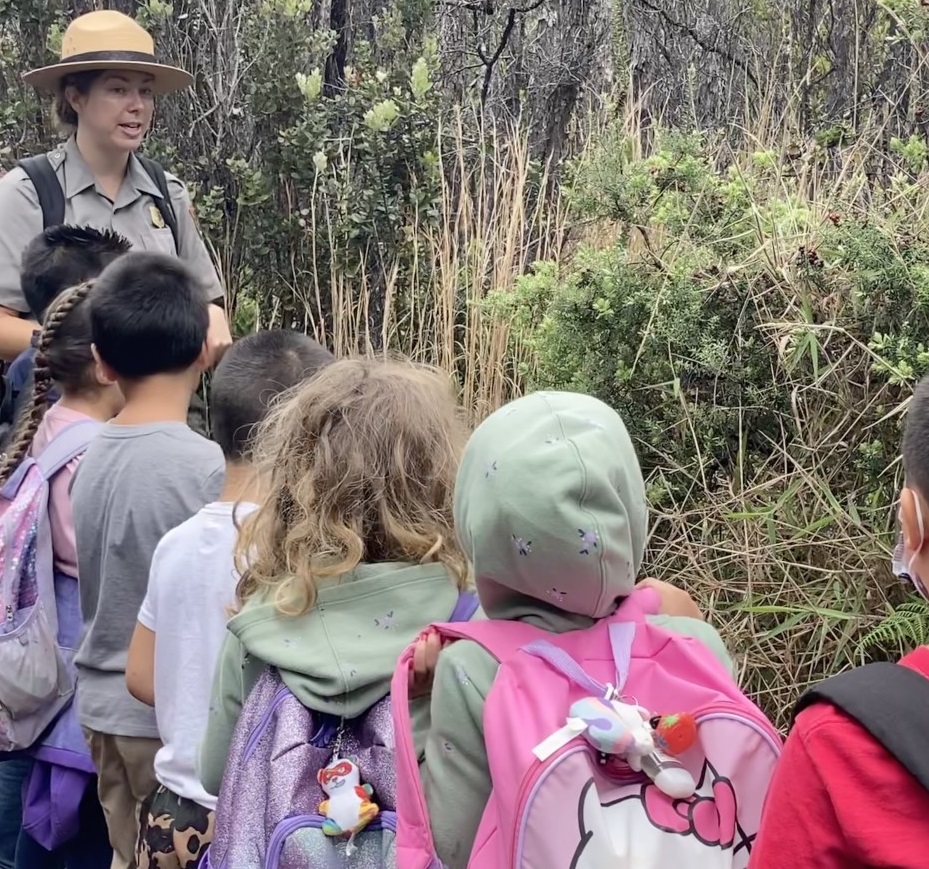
(649, 830)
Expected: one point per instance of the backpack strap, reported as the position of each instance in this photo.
(890, 701)
(641, 603)
(7, 409)
(465, 608)
(501, 639)
(47, 187)
(164, 204)
(67, 445)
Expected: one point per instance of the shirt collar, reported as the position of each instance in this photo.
(79, 178)
(140, 179)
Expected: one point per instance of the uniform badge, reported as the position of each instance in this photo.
(157, 220)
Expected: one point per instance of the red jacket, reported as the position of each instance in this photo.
(839, 800)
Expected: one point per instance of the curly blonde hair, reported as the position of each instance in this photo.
(360, 465)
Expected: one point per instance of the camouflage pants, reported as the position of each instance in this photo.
(174, 833)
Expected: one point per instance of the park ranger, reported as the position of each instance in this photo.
(105, 87)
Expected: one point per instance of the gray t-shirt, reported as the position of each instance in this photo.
(134, 484)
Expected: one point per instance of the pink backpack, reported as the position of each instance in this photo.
(578, 808)
(36, 675)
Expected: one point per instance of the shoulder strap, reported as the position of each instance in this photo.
(643, 601)
(67, 445)
(465, 608)
(7, 409)
(502, 639)
(47, 187)
(891, 702)
(157, 173)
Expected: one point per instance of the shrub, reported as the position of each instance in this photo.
(758, 326)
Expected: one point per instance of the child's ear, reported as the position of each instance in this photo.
(205, 359)
(914, 537)
(105, 375)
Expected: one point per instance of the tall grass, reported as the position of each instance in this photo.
(788, 555)
(492, 223)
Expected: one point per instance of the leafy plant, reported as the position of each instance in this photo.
(905, 628)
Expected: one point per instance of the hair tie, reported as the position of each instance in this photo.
(35, 339)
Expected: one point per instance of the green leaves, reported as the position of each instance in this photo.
(381, 117)
(420, 83)
(902, 630)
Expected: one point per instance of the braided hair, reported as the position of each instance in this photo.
(63, 357)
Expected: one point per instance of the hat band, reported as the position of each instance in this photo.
(109, 57)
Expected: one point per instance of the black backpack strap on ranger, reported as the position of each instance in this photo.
(47, 188)
(891, 702)
(157, 173)
(52, 197)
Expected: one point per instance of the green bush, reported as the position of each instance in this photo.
(758, 326)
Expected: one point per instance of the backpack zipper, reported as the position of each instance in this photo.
(255, 735)
(385, 821)
(716, 711)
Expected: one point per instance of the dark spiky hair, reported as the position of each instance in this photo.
(64, 256)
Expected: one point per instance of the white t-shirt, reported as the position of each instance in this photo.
(191, 585)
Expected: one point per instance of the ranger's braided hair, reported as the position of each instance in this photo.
(64, 357)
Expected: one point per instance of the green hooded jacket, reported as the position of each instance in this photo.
(338, 658)
(550, 508)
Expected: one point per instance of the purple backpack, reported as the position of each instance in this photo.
(268, 810)
(36, 675)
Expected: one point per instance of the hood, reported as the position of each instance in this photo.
(550, 509)
(339, 657)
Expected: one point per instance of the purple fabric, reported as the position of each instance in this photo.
(52, 803)
(271, 771)
(63, 767)
(622, 635)
(90, 849)
(465, 608)
(268, 809)
(566, 665)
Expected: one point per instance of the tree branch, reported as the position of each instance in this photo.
(504, 39)
(706, 46)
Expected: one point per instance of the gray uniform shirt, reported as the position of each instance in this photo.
(133, 215)
(134, 484)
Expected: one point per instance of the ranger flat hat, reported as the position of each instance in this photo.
(108, 40)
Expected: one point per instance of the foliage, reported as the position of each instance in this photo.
(905, 627)
(758, 326)
(757, 313)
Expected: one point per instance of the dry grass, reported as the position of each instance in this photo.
(491, 226)
(789, 555)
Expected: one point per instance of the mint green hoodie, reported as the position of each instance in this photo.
(550, 508)
(338, 658)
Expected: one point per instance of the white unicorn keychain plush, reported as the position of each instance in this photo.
(349, 808)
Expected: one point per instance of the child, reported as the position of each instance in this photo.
(59, 257)
(64, 359)
(354, 540)
(839, 798)
(145, 474)
(541, 465)
(171, 661)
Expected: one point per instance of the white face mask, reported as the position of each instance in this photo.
(904, 568)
